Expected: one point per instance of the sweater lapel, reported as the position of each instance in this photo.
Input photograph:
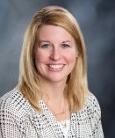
(45, 123)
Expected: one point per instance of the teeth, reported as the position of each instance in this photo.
(56, 66)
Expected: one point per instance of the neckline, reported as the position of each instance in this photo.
(62, 121)
(53, 122)
(46, 109)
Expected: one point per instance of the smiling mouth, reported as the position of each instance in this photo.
(55, 67)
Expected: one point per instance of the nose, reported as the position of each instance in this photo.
(55, 54)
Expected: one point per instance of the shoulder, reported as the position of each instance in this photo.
(14, 103)
(90, 112)
(92, 101)
(92, 106)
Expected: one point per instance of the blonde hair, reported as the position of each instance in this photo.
(28, 84)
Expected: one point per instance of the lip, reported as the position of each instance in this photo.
(55, 67)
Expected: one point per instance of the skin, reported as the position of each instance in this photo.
(55, 58)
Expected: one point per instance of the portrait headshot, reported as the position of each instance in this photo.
(55, 91)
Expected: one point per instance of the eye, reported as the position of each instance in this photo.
(65, 45)
(44, 45)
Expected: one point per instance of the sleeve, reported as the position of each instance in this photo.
(97, 131)
(10, 123)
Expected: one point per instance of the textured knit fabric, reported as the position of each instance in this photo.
(65, 129)
(19, 120)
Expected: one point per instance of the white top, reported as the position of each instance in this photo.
(65, 126)
(19, 120)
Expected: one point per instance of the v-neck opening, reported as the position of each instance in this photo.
(53, 121)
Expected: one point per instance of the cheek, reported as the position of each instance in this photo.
(40, 57)
(71, 57)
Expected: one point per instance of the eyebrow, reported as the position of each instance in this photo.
(67, 41)
(40, 41)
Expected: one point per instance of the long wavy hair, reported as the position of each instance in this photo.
(77, 87)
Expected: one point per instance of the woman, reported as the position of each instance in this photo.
(52, 99)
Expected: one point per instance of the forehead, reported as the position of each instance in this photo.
(51, 32)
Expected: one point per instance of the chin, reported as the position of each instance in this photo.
(56, 80)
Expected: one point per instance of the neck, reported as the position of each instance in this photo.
(52, 91)
(54, 97)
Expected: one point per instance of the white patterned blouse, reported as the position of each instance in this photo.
(19, 120)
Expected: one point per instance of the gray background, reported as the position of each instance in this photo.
(97, 21)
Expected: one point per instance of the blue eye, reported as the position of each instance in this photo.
(65, 45)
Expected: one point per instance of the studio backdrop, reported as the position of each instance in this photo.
(97, 21)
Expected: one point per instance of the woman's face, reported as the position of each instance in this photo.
(56, 53)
